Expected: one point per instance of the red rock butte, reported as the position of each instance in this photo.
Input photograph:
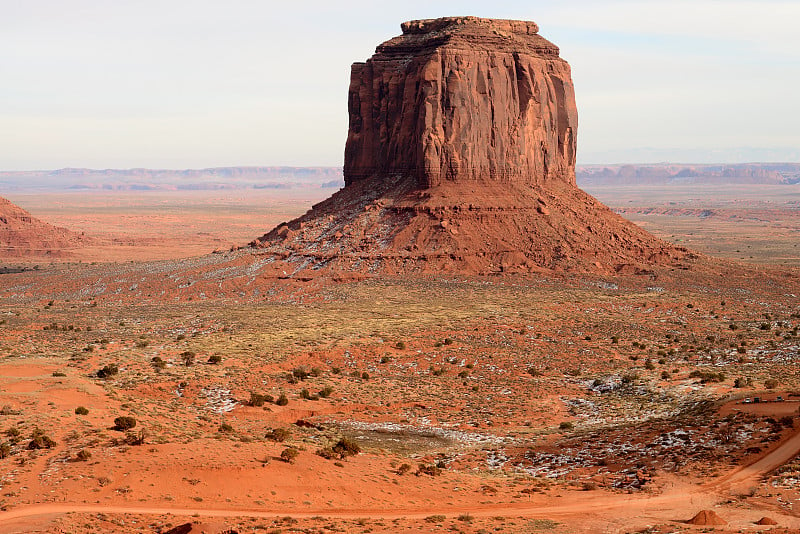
(460, 158)
(23, 235)
(463, 99)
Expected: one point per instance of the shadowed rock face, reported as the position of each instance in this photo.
(463, 99)
(460, 158)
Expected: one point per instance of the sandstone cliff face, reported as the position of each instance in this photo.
(461, 159)
(463, 99)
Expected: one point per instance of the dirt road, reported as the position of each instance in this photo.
(674, 503)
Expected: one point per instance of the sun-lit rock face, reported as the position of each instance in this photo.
(463, 99)
(460, 158)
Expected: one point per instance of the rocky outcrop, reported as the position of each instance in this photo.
(461, 158)
(463, 99)
(23, 235)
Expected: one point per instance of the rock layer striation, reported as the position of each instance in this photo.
(463, 99)
(23, 235)
(461, 158)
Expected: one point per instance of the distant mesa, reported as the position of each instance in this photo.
(24, 236)
(460, 157)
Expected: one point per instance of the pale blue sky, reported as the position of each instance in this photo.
(200, 83)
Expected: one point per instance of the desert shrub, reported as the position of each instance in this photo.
(300, 373)
(315, 372)
(135, 438)
(158, 363)
(326, 453)
(258, 399)
(187, 357)
(400, 345)
(59, 374)
(282, 400)
(346, 447)
(215, 359)
(437, 372)
(83, 455)
(435, 518)
(466, 518)
(336, 370)
(463, 374)
(765, 326)
(108, 371)
(305, 394)
(447, 341)
(385, 359)
(226, 428)
(40, 441)
(425, 469)
(665, 375)
(278, 435)
(707, 376)
(649, 365)
(566, 425)
(770, 383)
(142, 343)
(740, 382)
(124, 422)
(81, 410)
(5, 450)
(403, 469)
(325, 392)
(289, 455)
(13, 432)
(533, 371)
(365, 375)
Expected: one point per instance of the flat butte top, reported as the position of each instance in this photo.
(473, 33)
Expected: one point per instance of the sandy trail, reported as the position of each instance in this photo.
(673, 502)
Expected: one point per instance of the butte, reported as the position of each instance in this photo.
(24, 236)
(460, 158)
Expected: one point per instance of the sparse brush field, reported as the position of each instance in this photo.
(423, 395)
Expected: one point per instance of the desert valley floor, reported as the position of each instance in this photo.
(518, 403)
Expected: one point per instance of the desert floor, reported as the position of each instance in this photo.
(568, 403)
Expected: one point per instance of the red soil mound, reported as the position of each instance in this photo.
(766, 521)
(23, 235)
(707, 518)
(461, 158)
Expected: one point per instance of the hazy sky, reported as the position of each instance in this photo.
(200, 83)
